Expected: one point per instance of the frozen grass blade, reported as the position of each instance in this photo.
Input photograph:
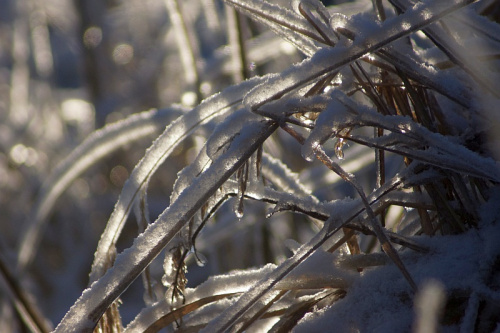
(282, 176)
(160, 316)
(85, 313)
(442, 151)
(396, 81)
(288, 321)
(349, 178)
(442, 82)
(231, 315)
(457, 54)
(329, 60)
(379, 232)
(160, 150)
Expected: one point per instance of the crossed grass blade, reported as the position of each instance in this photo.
(294, 79)
(85, 313)
(412, 101)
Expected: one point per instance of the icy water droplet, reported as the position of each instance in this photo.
(201, 260)
(238, 208)
(239, 213)
(338, 20)
(339, 145)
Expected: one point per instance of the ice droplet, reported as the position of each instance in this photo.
(339, 145)
(238, 208)
(338, 20)
(307, 150)
(201, 260)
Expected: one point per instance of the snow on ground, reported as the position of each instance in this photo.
(381, 300)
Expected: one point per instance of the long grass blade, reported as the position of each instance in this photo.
(328, 60)
(87, 310)
(458, 54)
(175, 133)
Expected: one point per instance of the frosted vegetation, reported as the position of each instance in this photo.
(303, 166)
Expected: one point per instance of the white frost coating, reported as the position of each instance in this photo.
(301, 202)
(98, 145)
(202, 316)
(278, 13)
(443, 152)
(152, 314)
(293, 104)
(154, 157)
(315, 11)
(329, 122)
(191, 171)
(280, 175)
(233, 282)
(417, 68)
(314, 4)
(169, 270)
(472, 19)
(339, 210)
(131, 262)
(208, 312)
(227, 319)
(287, 201)
(462, 56)
(226, 131)
(282, 200)
(328, 60)
(316, 272)
(448, 259)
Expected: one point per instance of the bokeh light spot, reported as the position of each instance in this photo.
(123, 54)
(92, 37)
